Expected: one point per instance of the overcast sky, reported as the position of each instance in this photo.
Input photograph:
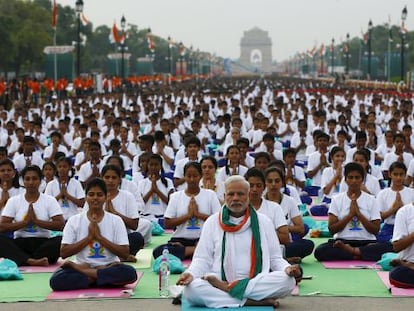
(217, 26)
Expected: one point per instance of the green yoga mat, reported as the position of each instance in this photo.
(34, 287)
(339, 282)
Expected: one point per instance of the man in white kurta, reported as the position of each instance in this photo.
(204, 277)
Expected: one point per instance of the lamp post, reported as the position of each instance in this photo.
(369, 49)
(347, 54)
(79, 10)
(181, 57)
(332, 55)
(403, 18)
(122, 46)
(169, 55)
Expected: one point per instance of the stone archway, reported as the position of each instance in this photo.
(256, 49)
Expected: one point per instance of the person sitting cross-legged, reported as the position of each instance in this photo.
(238, 261)
(97, 239)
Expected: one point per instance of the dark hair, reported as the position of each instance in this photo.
(393, 166)
(32, 168)
(281, 173)
(243, 140)
(120, 161)
(353, 167)
(56, 134)
(289, 151)
(335, 150)
(148, 138)
(227, 168)
(96, 182)
(159, 136)
(262, 154)
(69, 162)
(268, 136)
(158, 158)
(254, 172)
(360, 135)
(94, 144)
(194, 164)
(15, 181)
(367, 156)
(111, 167)
(398, 135)
(211, 158)
(193, 140)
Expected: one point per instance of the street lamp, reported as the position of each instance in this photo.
(347, 54)
(369, 49)
(181, 57)
(123, 23)
(332, 55)
(79, 10)
(403, 18)
(169, 55)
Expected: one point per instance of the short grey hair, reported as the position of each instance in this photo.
(237, 179)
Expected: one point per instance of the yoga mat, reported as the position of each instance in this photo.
(185, 306)
(100, 293)
(144, 259)
(319, 218)
(33, 287)
(40, 269)
(339, 282)
(148, 285)
(395, 291)
(350, 264)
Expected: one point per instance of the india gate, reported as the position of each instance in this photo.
(256, 49)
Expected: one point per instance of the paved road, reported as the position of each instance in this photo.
(290, 303)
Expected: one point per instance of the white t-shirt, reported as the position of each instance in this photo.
(132, 188)
(327, 175)
(222, 175)
(354, 230)
(386, 198)
(404, 226)
(154, 206)
(313, 161)
(371, 182)
(86, 170)
(125, 204)
(274, 212)
(178, 206)
(111, 227)
(390, 158)
(45, 208)
(74, 188)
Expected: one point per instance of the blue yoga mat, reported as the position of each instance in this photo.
(185, 306)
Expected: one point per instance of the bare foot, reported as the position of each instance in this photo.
(224, 286)
(38, 262)
(400, 262)
(75, 266)
(130, 258)
(294, 260)
(354, 251)
(265, 302)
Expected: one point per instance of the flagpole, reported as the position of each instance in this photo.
(389, 60)
(55, 57)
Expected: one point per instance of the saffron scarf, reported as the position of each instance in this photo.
(238, 287)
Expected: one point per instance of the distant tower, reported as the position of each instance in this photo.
(256, 49)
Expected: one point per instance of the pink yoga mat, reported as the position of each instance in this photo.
(320, 217)
(118, 292)
(395, 291)
(41, 269)
(350, 264)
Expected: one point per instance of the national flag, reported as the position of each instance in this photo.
(114, 36)
(311, 53)
(151, 45)
(364, 37)
(403, 29)
(83, 19)
(183, 50)
(322, 50)
(54, 14)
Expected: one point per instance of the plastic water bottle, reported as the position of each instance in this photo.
(164, 275)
